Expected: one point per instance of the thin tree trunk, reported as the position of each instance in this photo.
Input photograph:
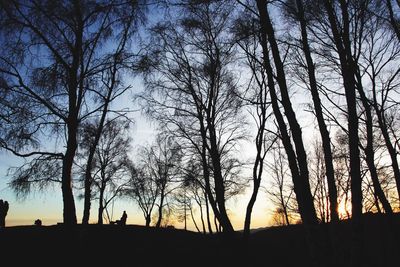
(219, 181)
(249, 209)
(326, 141)
(185, 216)
(286, 215)
(101, 206)
(88, 169)
(297, 160)
(206, 175)
(390, 147)
(160, 207)
(203, 225)
(208, 214)
(342, 42)
(194, 221)
(393, 22)
(259, 161)
(148, 220)
(369, 149)
(298, 165)
(216, 224)
(74, 98)
(69, 212)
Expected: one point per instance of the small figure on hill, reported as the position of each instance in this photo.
(38, 222)
(3, 212)
(122, 221)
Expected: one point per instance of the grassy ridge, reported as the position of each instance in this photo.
(131, 245)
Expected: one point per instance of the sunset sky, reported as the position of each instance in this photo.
(48, 205)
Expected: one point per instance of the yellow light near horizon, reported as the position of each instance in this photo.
(344, 210)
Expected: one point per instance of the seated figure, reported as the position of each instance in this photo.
(122, 221)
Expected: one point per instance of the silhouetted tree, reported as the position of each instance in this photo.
(51, 53)
(109, 168)
(191, 90)
(392, 17)
(159, 169)
(339, 17)
(281, 191)
(256, 99)
(342, 171)
(297, 158)
(110, 88)
(379, 65)
(143, 189)
(296, 11)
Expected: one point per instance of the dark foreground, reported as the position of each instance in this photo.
(112, 245)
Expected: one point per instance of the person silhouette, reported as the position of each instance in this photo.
(3, 212)
(124, 216)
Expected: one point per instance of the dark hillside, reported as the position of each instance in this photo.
(111, 245)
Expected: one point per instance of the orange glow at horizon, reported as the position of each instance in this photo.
(344, 209)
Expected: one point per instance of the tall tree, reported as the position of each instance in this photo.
(297, 158)
(51, 53)
(379, 64)
(144, 190)
(281, 190)
(109, 168)
(163, 160)
(338, 16)
(297, 10)
(110, 88)
(189, 67)
(256, 98)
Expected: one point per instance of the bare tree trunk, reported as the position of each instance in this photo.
(208, 215)
(101, 206)
(342, 42)
(249, 209)
(88, 169)
(69, 212)
(285, 213)
(148, 220)
(185, 216)
(390, 147)
(217, 229)
(326, 141)
(297, 160)
(369, 149)
(194, 220)
(218, 180)
(201, 214)
(160, 208)
(75, 88)
(297, 164)
(206, 175)
(376, 202)
(393, 22)
(259, 161)
(4, 206)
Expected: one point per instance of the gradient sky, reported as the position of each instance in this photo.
(48, 205)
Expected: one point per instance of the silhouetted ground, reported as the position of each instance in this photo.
(112, 245)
